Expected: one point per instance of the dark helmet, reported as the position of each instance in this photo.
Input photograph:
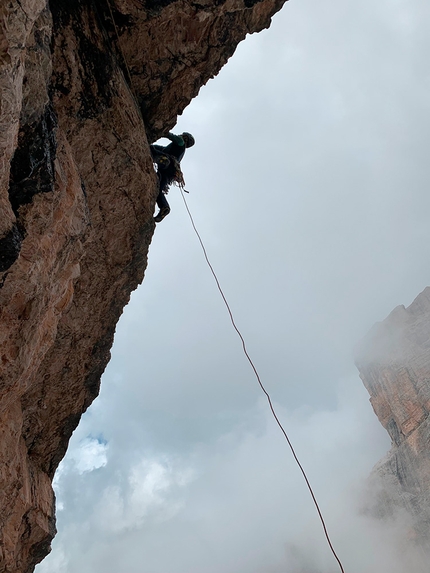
(188, 138)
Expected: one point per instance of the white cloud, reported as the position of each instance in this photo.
(309, 182)
(147, 496)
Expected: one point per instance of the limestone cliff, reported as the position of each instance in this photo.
(394, 364)
(85, 85)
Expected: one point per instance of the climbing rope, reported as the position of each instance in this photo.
(120, 49)
(262, 386)
(181, 184)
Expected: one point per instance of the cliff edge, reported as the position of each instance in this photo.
(394, 364)
(85, 86)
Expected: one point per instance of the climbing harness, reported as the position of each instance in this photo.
(175, 175)
(262, 386)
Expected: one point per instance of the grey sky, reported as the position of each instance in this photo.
(309, 184)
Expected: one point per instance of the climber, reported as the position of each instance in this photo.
(168, 159)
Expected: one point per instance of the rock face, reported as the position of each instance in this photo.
(84, 85)
(394, 364)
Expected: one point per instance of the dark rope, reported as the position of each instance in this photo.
(119, 45)
(262, 387)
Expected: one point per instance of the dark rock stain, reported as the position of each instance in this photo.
(10, 246)
(95, 73)
(394, 432)
(95, 35)
(32, 166)
(251, 3)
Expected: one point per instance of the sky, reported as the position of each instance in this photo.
(309, 185)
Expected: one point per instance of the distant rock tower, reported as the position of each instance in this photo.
(394, 364)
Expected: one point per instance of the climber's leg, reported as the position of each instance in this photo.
(163, 186)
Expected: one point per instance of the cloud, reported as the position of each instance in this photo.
(239, 504)
(309, 184)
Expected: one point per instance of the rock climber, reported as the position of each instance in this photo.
(168, 159)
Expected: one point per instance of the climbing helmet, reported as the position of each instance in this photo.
(188, 138)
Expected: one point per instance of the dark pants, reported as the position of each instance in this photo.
(165, 175)
(161, 198)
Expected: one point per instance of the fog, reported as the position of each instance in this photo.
(309, 185)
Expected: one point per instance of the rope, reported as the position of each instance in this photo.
(119, 45)
(262, 387)
(181, 185)
(128, 84)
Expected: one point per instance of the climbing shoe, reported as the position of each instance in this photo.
(161, 214)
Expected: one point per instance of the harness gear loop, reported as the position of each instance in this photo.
(171, 166)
